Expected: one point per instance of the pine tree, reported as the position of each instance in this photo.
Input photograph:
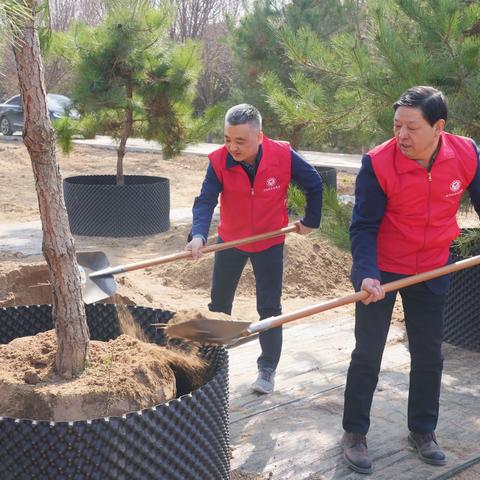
(256, 50)
(268, 78)
(402, 43)
(131, 79)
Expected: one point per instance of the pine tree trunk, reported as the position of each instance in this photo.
(296, 136)
(58, 247)
(127, 130)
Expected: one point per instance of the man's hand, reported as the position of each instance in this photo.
(195, 246)
(302, 229)
(374, 288)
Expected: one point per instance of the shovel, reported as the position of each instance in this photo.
(97, 275)
(214, 331)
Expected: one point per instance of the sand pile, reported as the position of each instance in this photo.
(312, 268)
(24, 284)
(123, 375)
(29, 284)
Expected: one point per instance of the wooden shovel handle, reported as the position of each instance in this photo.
(358, 296)
(187, 254)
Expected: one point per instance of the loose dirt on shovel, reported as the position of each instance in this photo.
(186, 314)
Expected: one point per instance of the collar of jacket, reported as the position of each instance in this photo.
(233, 163)
(404, 164)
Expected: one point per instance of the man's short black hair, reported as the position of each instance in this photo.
(431, 102)
(244, 113)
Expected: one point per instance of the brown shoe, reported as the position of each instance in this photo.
(427, 448)
(355, 452)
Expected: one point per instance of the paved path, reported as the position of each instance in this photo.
(25, 238)
(294, 433)
(340, 161)
(349, 163)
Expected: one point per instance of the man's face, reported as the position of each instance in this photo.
(242, 141)
(416, 138)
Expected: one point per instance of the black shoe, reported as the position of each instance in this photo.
(355, 452)
(427, 448)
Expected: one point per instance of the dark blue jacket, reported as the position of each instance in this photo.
(302, 173)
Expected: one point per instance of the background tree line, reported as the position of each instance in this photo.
(324, 73)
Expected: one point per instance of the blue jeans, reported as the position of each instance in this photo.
(268, 270)
(424, 323)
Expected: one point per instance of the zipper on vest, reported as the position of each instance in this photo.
(252, 209)
(429, 177)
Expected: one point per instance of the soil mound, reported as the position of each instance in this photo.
(312, 267)
(24, 285)
(29, 284)
(123, 375)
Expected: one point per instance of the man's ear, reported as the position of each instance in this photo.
(260, 137)
(439, 126)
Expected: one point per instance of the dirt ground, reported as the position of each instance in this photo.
(238, 475)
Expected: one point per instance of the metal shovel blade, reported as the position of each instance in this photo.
(99, 288)
(217, 332)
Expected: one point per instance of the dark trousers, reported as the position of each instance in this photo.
(424, 323)
(268, 270)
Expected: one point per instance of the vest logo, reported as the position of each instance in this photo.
(455, 186)
(271, 182)
(455, 189)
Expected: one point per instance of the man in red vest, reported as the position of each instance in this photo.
(407, 196)
(251, 173)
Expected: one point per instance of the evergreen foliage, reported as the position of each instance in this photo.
(269, 79)
(400, 44)
(65, 131)
(256, 50)
(467, 243)
(336, 216)
(130, 79)
(296, 200)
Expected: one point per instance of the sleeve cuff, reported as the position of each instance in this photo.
(358, 276)
(198, 235)
(310, 223)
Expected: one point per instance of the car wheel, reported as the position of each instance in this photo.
(6, 126)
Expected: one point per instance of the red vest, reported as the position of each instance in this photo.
(247, 210)
(419, 223)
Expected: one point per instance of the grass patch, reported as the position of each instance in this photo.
(336, 216)
(468, 242)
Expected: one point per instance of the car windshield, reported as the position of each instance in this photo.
(58, 102)
(14, 100)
